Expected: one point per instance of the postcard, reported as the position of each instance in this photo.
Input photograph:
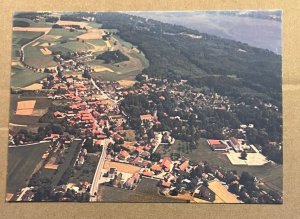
(136, 106)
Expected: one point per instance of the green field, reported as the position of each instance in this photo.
(33, 23)
(141, 57)
(95, 25)
(98, 42)
(65, 34)
(122, 42)
(21, 163)
(34, 57)
(24, 77)
(70, 158)
(20, 38)
(146, 191)
(113, 76)
(270, 174)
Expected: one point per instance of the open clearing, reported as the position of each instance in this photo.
(146, 191)
(270, 174)
(25, 107)
(222, 193)
(121, 167)
(21, 164)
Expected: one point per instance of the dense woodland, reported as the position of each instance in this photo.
(111, 57)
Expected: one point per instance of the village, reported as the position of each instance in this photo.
(126, 156)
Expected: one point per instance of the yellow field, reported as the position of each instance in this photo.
(99, 68)
(25, 107)
(222, 195)
(126, 83)
(97, 48)
(46, 51)
(50, 37)
(107, 43)
(66, 23)
(33, 29)
(93, 34)
(35, 86)
(122, 167)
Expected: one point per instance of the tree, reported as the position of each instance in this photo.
(244, 155)
(155, 157)
(174, 192)
(205, 183)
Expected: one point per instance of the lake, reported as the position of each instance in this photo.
(261, 33)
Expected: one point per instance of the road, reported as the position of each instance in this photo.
(98, 173)
(102, 92)
(22, 48)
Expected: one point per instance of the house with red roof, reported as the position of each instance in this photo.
(217, 145)
(123, 155)
(184, 165)
(146, 117)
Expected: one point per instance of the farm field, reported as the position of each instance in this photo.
(35, 57)
(146, 191)
(71, 46)
(41, 106)
(70, 158)
(32, 23)
(21, 164)
(65, 34)
(26, 77)
(20, 38)
(223, 195)
(269, 173)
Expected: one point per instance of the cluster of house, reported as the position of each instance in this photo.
(76, 61)
(116, 179)
(238, 145)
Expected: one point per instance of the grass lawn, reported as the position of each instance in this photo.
(270, 174)
(87, 171)
(146, 191)
(21, 163)
(70, 158)
(24, 77)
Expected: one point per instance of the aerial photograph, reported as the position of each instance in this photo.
(146, 106)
